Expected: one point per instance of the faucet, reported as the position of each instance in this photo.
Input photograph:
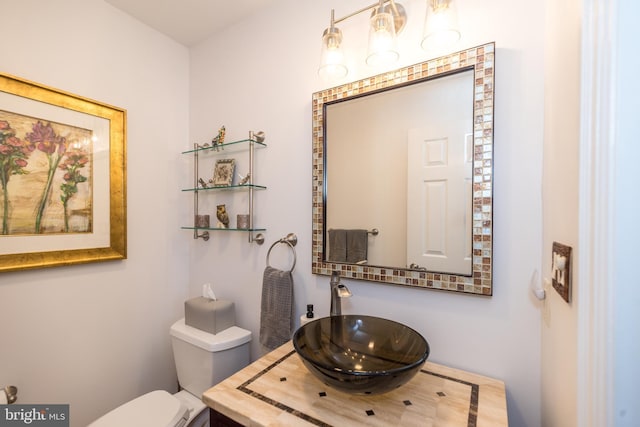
(338, 290)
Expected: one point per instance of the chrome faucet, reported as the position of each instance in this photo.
(338, 291)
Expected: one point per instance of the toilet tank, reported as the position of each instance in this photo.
(203, 359)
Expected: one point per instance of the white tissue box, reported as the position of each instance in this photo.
(209, 315)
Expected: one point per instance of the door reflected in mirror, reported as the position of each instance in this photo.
(409, 154)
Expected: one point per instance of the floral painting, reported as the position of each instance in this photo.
(63, 178)
(45, 176)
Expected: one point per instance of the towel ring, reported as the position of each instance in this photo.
(291, 240)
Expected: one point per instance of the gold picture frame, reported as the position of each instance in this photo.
(56, 118)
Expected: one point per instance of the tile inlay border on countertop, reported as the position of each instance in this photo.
(473, 401)
(244, 387)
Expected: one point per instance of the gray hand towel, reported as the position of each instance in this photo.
(276, 317)
(357, 244)
(337, 245)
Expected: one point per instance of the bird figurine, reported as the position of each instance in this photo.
(244, 179)
(219, 139)
(223, 216)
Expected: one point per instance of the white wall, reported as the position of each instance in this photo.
(560, 213)
(96, 335)
(626, 296)
(260, 74)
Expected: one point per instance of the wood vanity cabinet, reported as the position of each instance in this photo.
(216, 419)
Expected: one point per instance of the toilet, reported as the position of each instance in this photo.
(202, 360)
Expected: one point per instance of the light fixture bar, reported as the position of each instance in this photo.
(387, 20)
(399, 14)
(364, 9)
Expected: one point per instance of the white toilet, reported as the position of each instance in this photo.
(202, 360)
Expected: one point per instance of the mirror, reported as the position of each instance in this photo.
(402, 183)
(411, 180)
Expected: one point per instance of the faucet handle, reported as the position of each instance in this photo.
(335, 277)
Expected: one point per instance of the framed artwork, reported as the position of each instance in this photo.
(561, 270)
(223, 172)
(62, 178)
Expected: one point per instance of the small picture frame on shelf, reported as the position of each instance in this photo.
(223, 172)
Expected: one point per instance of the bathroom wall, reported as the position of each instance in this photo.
(260, 75)
(96, 335)
(560, 208)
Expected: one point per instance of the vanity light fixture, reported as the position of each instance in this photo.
(382, 36)
(440, 24)
(331, 57)
(388, 18)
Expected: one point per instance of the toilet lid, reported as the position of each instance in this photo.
(229, 338)
(155, 409)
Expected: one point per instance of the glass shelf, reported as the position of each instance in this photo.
(228, 187)
(233, 146)
(211, 150)
(223, 229)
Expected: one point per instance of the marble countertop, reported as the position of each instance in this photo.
(277, 390)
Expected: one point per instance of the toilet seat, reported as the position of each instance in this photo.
(155, 409)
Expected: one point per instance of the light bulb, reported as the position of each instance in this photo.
(331, 57)
(441, 24)
(382, 40)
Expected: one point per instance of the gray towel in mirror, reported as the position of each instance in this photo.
(357, 243)
(337, 245)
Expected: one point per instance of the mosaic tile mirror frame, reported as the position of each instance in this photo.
(481, 60)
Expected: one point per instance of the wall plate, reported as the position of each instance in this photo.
(561, 270)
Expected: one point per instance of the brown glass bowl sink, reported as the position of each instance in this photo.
(361, 354)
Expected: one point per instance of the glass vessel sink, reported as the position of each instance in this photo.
(361, 354)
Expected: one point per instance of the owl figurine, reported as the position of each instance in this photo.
(223, 216)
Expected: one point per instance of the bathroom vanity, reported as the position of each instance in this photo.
(278, 390)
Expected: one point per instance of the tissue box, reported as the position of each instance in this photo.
(209, 315)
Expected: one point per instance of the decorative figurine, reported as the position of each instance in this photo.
(223, 216)
(244, 179)
(219, 140)
(202, 183)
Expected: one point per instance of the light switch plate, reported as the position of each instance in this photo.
(561, 270)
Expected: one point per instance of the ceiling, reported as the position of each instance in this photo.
(190, 21)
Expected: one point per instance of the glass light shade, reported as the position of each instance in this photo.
(331, 56)
(441, 24)
(382, 40)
